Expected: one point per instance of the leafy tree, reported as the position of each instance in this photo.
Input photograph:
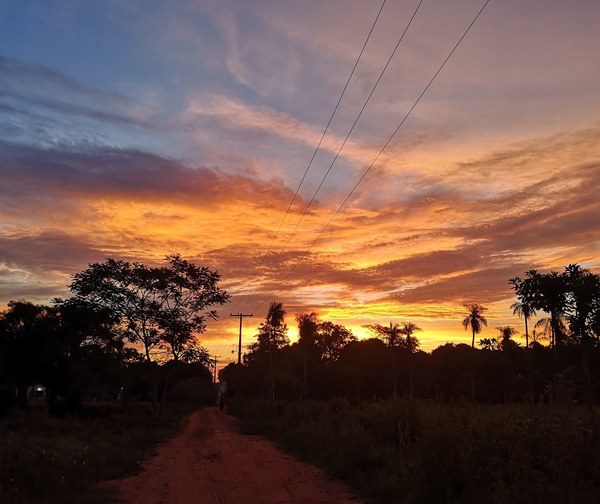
(489, 344)
(573, 295)
(196, 354)
(26, 350)
(331, 339)
(70, 348)
(583, 300)
(155, 306)
(544, 292)
(186, 293)
(86, 325)
(475, 320)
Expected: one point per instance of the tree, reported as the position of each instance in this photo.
(506, 333)
(331, 339)
(411, 344)
(543, 329)
(186, 293)
(27, 346)
(70, 348)
(544, 292)
(490, 344)
(583, 299)
(307, 331)
(474, 319)
(392, 336)
(525, 311)
(272, 336)
(154, 306)
(573, 295)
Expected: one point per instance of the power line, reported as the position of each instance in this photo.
(384, 146)
(318, 145)
(364, 106)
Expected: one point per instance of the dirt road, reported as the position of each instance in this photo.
(211, 462)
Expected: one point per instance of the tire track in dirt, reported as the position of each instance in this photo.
(211, 462)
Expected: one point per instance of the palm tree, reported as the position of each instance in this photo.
(275, 331)
(525, 311)
(275, 314)
(307, 331)
(475, 320)
(547, 327)
(507, 332)
(392, 337)
(408, 328)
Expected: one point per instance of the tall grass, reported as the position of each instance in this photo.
(46, 459)
(421, 452)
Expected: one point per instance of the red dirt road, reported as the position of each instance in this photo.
(211, 462)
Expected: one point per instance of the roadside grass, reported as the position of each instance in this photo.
(47, 459)
(424, 452)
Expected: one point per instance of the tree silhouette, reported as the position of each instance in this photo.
(525, 311)
(506, 333)
(474, 319)
(272, 335)
(411, 343)
(391, 335)
(393, 338)
(543, 329)
(186, 293)
(155, 306)
(331, 339)
(307, 331)
(544, 292)
(489, 344)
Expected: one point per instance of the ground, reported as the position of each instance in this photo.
(212, 462)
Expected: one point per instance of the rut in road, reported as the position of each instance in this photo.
(211, 462)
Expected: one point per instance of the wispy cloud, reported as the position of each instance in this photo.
(235, 114)
(41, 86)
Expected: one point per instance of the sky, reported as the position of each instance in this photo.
(134, 129)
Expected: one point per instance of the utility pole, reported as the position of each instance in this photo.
(215, 368)
(241, 317)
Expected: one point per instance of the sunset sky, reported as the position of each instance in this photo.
(134, 129)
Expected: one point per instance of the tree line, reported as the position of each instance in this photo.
(328, 360)
(129, 329)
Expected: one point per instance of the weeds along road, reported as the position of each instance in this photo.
(212, 462)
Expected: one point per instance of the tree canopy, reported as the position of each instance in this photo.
(156, 306)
